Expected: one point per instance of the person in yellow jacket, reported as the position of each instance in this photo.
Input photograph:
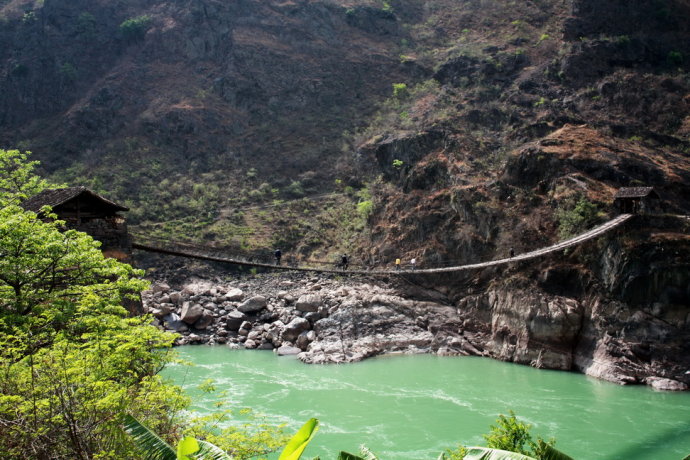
(397, 264)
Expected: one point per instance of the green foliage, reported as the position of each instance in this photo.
(675, 58)
(17, 178)
(86, 25)
(72, 361)
(397, 164)
(295, 189)
(294, 448)
(454, 454)
(241, 440)
(509, 434)
(68, 72)
(365, 205)
(400, 90)
(155, 448)
(575, 216)
(135, 28)
(29, 17)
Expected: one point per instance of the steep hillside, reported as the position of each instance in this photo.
(448, 131)
(180, 108)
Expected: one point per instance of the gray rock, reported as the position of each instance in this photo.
(175, 297)
(294, 328)
(204, 321)
(309, 303)
(234, 295)
(286, 350)
(250, 344)
(234, 320)
(312, 317)
(246, 325)
(303, 340)
(265, 346)
(253, 304)
(191, 313)
(662, 384)
(160, 287)
(243, 332)
(166, 308)
(254, 335)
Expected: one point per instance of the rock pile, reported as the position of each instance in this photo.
(321, 320)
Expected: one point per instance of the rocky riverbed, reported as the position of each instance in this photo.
(322, 320)
(327, 319)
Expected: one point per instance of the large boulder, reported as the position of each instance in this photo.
(166, 308)
(234, 320)
(663, 384)
(204, 321)
(309, 303)
(160, 287)
(175, 297)
(253, 304)
(234, 295)
(304, 339)
(287, 351)
(294, 328)
(191, 312)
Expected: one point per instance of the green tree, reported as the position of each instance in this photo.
(17, 178)
(134, 29)
(575, 216)
(71, 360)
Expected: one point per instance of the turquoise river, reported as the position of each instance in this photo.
(413, 407)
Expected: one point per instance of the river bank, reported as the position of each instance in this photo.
(339, 319)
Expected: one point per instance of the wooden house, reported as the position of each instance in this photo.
(88, 212)
(636, 200)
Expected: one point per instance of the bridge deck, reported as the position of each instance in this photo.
(211, 255)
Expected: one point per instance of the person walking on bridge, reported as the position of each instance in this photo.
(397, 264)
(277, 254)
(343, 261)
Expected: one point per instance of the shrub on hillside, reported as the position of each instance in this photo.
(135, 28)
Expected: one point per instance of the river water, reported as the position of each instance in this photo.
(413, 407)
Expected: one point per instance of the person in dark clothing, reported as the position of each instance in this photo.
(343, 261)
(277, 254)
(512, 253)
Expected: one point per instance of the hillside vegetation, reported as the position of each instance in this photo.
(446, 130)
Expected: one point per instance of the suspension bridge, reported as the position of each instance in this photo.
(214, 255)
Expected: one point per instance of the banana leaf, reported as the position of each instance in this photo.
(485, 453)
(210, 451)
(552, 453)
(297, 444)
(186, 448)
(154, 448)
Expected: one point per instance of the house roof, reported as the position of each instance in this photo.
(58, 196)
(636, 192)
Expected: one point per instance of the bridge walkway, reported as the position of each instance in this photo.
(211, 254)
